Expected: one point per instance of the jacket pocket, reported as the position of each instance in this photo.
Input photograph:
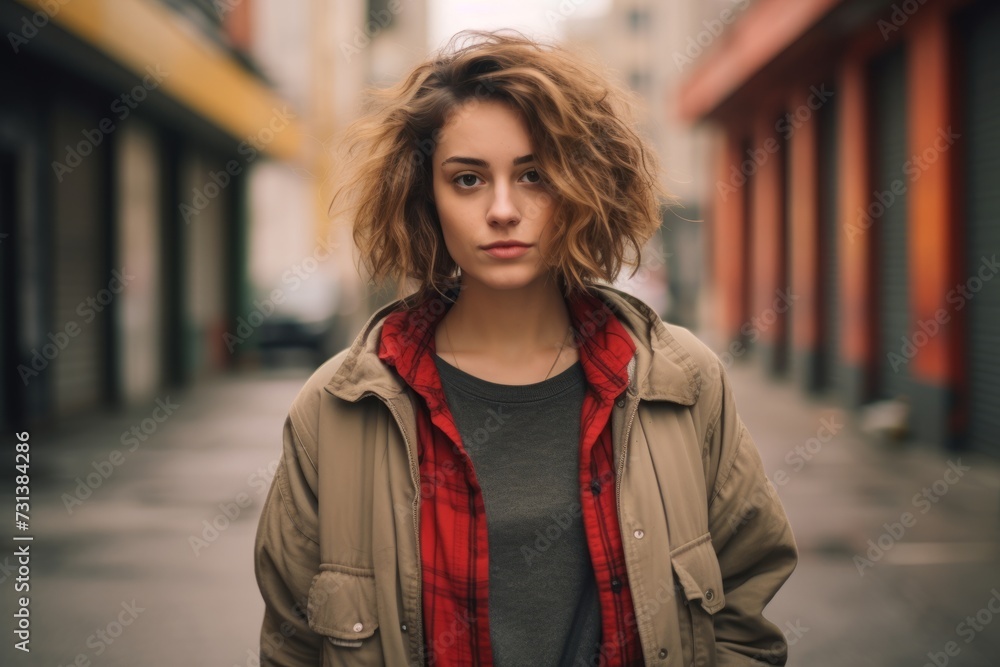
(699, 579)
(342, 607)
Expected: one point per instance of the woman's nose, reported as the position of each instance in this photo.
(503, 208)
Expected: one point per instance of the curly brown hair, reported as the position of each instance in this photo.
(602, 175)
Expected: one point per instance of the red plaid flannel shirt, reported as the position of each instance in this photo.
(453, 531)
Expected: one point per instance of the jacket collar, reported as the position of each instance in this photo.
(661, 369)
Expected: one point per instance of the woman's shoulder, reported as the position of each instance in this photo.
(692, 345)
(306, 403)
(693, 352)
(681, 346)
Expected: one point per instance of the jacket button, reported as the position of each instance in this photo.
(358, 627)
(663, 653)
(595, 487)
(638, 534)
(709, 595)
(620, 402)
(616, 585)
(403, 627)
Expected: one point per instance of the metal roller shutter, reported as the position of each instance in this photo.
(139, 233)
(983, 225)
(82, 299)
(207, 265)
(10, 392)
(830, 238)
(891, 270)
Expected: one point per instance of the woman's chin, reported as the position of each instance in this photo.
(504, 280)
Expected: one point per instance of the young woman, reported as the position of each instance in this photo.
(516, 464)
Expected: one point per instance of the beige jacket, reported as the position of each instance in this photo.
(707, 542)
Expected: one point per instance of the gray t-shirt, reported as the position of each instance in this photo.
(524, 442)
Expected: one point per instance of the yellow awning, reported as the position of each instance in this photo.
(149, 39)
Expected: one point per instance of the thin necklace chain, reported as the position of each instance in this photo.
(558, 354)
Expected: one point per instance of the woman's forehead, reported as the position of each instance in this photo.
(489, 126)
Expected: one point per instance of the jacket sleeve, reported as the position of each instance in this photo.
(286, 557)
(752, 537)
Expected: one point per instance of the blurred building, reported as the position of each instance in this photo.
(321, 55)
(127, 130)
(164, 179)
(854, 214)
(634, 40)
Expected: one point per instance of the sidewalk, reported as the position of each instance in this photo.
(154, 566)
(899, 545)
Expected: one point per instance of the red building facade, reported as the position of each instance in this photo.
(855, 180)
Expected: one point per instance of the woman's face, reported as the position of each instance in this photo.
(487, 190)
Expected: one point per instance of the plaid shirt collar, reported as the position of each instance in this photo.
(407, 343)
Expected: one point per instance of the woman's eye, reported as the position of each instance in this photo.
(471, 180)
(467, 180)
(533, 176)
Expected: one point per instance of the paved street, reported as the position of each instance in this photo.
(134, 574)
(933, 560)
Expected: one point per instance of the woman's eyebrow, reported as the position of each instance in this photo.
(476, 162)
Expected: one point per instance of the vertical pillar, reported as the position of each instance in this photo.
(803, 204)
(857, 339)
(771, 301)
(729, 235)
(933, 347)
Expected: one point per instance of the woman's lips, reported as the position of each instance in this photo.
(508, 251)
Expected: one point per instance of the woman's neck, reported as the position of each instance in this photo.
(523, 327)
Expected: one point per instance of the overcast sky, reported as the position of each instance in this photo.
(538, 18)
